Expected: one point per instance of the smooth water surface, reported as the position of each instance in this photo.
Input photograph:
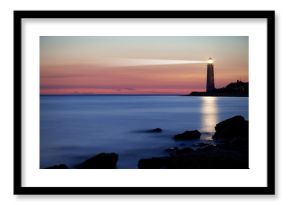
(74, 128)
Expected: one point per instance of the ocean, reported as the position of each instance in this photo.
(74, 128)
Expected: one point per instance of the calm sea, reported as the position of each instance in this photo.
(74, 128)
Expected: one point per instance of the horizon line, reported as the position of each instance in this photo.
(80, 94)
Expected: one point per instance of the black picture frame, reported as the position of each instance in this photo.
(269, 189)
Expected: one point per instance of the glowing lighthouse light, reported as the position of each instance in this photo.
(210, 61)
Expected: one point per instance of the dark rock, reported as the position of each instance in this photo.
(170, 149)
(234, 132)
(59, 166)
(101, 161)
(173, 151)
(212, 158)
(206, 148)
(230, 150)
(238, 89)
(235, 127)
(188, 135)
(202, 144)
(184, 151)
(156, 130)
(153, 163)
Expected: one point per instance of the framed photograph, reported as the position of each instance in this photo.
(144, 102)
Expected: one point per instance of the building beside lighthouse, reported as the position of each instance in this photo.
(210, 76)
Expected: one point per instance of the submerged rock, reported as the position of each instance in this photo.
(156, 130)
(59, 166)
(101, 161)
(188, 135)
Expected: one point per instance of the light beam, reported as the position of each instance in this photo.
(144, 62)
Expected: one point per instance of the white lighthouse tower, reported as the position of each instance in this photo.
(210, 76)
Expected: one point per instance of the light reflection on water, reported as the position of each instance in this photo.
(209, 112)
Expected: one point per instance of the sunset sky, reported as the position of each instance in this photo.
(139, 64)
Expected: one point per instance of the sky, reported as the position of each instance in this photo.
(139, 64)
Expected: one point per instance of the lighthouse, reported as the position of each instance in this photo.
(210, 76)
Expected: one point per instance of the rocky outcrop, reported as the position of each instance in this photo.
(208, 158)
(233, 133)
(101, 161)
(59, 166)
(154, 163)
(234, 89)
(235, 127)
(229, 152)
(188, 135)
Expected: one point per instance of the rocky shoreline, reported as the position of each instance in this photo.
(230, 151)
(234, 89)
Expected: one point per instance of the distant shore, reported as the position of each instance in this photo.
(111, 95)
(153, 95)
(218, 94)
(234, 89)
